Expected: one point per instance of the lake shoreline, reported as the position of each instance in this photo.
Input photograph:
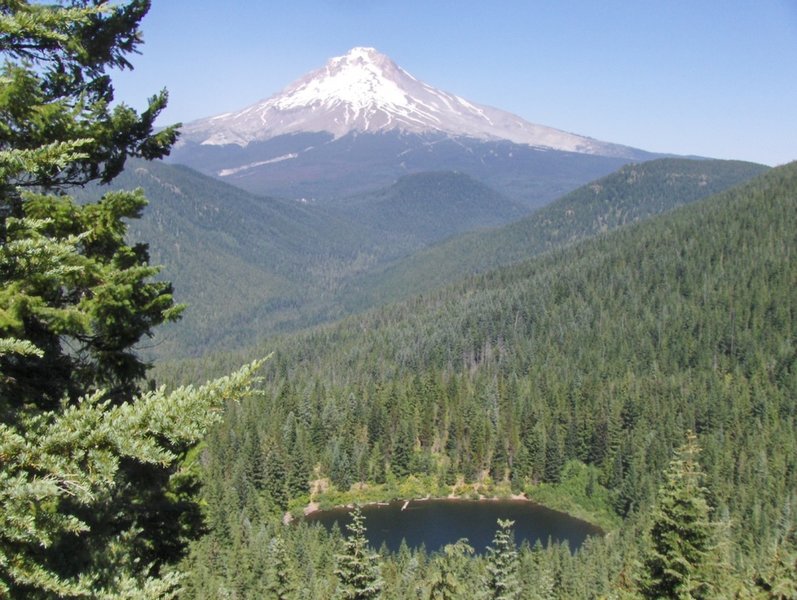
(573, 496)
(434, 521)
(315, 506)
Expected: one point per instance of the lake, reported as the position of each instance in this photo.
(435, 523)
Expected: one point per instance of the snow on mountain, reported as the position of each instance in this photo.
(365, 91)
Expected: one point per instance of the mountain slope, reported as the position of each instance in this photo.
(432, 206)
(633, 193)
(364, 91)
(595, 359)
(245, 264)
(361, 122)
(249, 266)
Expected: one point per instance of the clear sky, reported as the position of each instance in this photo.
(712, 78)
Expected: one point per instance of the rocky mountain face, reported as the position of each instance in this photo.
(361, 121)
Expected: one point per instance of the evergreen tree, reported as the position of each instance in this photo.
(502, 564)
(376, 464)
(280, 576)
(779, 580)
(402, 451)
(677, 562)
(445, 581)
(275, 480)
(91, 502)
(498, 464)
(554, 460)
(358, 570)
(59, 466)
(57, 131)
(538, 581)
(298, 476)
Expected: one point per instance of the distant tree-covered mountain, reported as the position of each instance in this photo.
(245, 264)
(251, 266)
(432, 206)
(633, 193)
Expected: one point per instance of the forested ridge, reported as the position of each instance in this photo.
(573, 377)
(634, 192)
(431, 206)
(250, 266)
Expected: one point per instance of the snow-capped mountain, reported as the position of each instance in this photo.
(365, 91)
(361, 122)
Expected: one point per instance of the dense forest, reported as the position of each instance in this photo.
(633, 193)
(573, 378)
(642, 378)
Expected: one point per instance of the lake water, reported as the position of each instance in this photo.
(436, 523)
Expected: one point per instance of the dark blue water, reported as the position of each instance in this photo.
(435, 523)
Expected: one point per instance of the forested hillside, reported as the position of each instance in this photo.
(633, 193)
(249, 266)
(432, 206)
(246, 265)
(573, 378)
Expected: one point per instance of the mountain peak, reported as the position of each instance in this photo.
(364, 91)
(361, 53)
(361, 80)
(364, 57)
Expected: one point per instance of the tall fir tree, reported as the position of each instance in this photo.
(554, 460)
(358, 570)
(502, 564)
(281, 584)
(446, 583)
(678, 560)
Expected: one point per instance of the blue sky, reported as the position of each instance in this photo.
(705, 77)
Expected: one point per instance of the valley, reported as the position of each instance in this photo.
(251, 266)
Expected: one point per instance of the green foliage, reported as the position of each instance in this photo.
(57, 464)
(778, 579)
(580, 494)
(681, 535)
(281, 584)
(614, 347)
(448, 581)
(93, 502)
(357, 566)
(56, 92)
(69, 277)
(502, 564)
